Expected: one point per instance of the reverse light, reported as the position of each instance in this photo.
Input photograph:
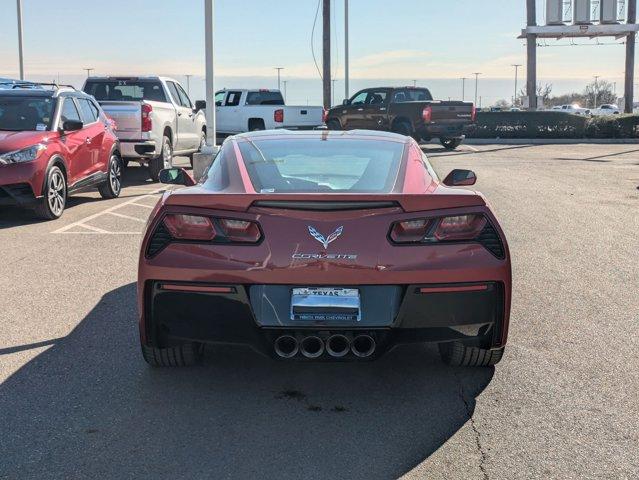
(278, 115)
(440, 229)
(409, 231)
(459, 227)
(147, 123)
(28, 154)
(190, 227)
(427, 113)
(240, 230)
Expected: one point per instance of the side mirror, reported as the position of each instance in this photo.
(72, 125)
(346, 101)
(176, 176)
(460, 178)
(200, 105)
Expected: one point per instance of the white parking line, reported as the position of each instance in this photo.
(472, 149)
(110, 210)
(128, 217)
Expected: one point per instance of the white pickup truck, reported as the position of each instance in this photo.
(238, 110)
(154, 117)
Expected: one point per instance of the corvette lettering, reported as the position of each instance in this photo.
(323, 256)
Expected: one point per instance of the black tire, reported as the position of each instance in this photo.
(333, 124)
(459, 355)
(256, 124)
(404, 128)
(163, 160)
(199, 149)
(179, 356)
(450, 143)
(112, 187)
(54, 195)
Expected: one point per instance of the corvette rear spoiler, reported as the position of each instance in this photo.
(242, 202)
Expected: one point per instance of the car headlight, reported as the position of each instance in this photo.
(24, 155)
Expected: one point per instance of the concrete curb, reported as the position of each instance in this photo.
(548, 141)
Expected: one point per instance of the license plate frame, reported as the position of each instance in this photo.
(326, 304)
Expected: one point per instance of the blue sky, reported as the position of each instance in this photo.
(431, 41)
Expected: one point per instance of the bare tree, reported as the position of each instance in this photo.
(543, 91)
(600, 92)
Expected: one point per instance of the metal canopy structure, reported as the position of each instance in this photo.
(580, 28)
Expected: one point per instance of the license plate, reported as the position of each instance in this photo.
(325, 304)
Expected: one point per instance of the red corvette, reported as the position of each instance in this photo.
(323, 245)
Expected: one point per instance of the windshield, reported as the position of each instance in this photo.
(264, 98)
(126, 90)
(314, 165)
(26, 113)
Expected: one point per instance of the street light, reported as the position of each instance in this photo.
(463, 79)
(414, 83)
(596, 88)
(20, 57)
(516, 65)
(188, 83)
(333, 92)
(284, 82)
(278, 75)
(346, 95)
(89, 70)
(477, 74)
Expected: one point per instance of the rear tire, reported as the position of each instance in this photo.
(450, 143)
(199, 149)
(256, 124)
(54, 195)
(164, 160)
(404, 128)
(333, 124)
(459, 355)
(179, 356)
(113, 185)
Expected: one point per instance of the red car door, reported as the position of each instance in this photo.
(76, 143)
(95, 132)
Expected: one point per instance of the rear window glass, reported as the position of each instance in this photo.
(26, 113)
(264, 98)
(412, 95)
(314, 165)
(126, 90)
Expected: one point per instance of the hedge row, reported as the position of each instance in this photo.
(554, 125)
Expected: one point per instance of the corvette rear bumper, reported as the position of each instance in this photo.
(259, 314)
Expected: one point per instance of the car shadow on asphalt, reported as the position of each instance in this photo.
(89, 407)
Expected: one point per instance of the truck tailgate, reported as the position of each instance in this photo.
(302, 116)
(451, 112)
(127, 116)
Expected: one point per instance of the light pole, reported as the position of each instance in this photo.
(88, 70)
(284, 82)
(20, 57)
(188, 83)
(333, 92)
(477, 74)
(279, 69)
(414, 83)
(463, 79)
(596, 88)
(209, 25)
(516, 65)
(346, 49)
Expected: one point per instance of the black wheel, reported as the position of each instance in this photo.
(54, 197)
(459, 355)
(178, 356)
(333, 124)
(113, 185)
(450, 143)
(199, 149)
(403, 128)
(256, 124)
(164, 160)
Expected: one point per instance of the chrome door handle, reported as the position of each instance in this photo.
(179, 114)
(360, 109)
(382, 109)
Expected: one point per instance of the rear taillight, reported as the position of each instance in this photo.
(147, 123)
(324, 115)
(278, 115)
(240, 230)
(190, 227)
(440, 229)
(473, 113)
(427, 113)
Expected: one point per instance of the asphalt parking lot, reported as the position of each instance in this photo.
(77, 400)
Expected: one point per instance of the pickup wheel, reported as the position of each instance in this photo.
(404, 128)
(178, 356)
(164, 160)
(333, 124)
(113, 185)
(199, 149)
(457, 354)
(256, 124)
(450, 143)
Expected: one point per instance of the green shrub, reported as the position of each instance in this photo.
(553, 124)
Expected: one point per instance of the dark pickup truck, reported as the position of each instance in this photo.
(406, 110)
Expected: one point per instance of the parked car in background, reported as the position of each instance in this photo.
(12, 84)
(606, 109)
(239, 110)
(407, 110)
(155, 118)
(574, 108)
(55, 142)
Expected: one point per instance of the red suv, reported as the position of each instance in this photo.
(53, 143)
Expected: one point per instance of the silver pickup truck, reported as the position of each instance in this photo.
(154, 117)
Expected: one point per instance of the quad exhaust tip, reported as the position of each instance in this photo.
(338, 345)
(363, 346)
(312, 346)
(286, 346)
